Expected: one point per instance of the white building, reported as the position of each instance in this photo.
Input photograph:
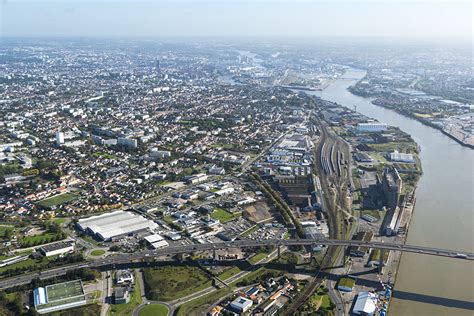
(112, 225)
(371, 127)
(58, 248)
(160, 153)
(401, 157)
(241, 305)
(153, 238)
(59, 138)
(124, 276)
(365, 304)
(160, 244)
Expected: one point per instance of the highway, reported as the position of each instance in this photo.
(154, 254)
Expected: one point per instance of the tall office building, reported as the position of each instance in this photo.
(59, 138)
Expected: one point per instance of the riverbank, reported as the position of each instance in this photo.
(443, 204)
(414, 117)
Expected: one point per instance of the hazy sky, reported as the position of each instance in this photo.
(165, 18)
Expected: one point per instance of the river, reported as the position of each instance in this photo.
(443, 216)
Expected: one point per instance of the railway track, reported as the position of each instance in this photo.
(322, 165)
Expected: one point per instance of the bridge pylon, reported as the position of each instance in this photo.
(382, 254)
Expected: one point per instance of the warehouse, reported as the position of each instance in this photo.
(365, 304)
(58, 248)
(116, 224)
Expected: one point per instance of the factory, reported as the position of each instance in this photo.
(110, 226)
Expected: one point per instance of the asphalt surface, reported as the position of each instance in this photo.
(154, 254)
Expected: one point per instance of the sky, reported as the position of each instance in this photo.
(435, 19)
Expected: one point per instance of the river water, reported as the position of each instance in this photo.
(443, 216)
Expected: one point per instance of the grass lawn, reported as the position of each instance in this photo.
(34, 263)
(97, 252)
(87, 310)
(30, 241)
(404, 147)
(257, 257)
(229, 273)
(4, 229)
(96, 294)
(249, 231)
(169, 219)
(60, 220)
(224, 216)
(256, 276)
(200, 305)
(135, 300)
(320, 299)
(154, 310)
(57, 200)
(378, 157)
(326, 301)
(168, 283)
(104, 155)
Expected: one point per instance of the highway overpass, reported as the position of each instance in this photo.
(152, 254)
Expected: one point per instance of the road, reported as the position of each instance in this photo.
(145, 301)
(106, 292)
(172, 305)
(155, 254)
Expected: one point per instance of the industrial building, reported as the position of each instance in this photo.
(58, 248)
(365, 304)
(116, 224)
(59, 296)
(402, 157)
(371, 127)
(156, 241)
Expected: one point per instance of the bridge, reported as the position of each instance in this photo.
(174, 250)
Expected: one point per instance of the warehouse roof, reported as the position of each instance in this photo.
(114, 224)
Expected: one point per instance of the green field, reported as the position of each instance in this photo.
(30, 241)
(86, 310)
(200, 305)
(154, 310)
(229, 273)
(4, 229)
(348, 282)
(224, 216)
(378, 157)
(404, 147)
(97, 252)
(257, 257)
(127, 309)
(57, 200)
(63, 293)
(168, 283)
(63, 290)
(60, 220)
